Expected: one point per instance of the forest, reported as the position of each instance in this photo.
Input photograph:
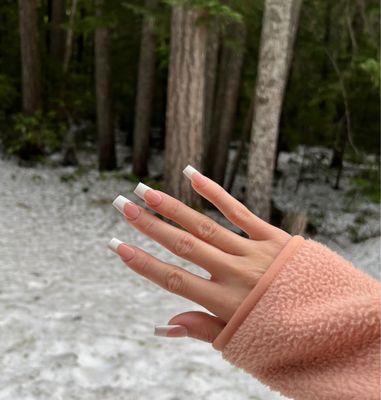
(222, 85)
(276, 100)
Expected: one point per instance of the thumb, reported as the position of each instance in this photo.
(199, 325)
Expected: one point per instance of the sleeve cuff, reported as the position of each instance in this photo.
(255, 295)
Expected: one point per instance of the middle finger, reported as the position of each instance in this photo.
(198, 224)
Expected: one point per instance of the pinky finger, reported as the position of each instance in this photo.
(195, 324)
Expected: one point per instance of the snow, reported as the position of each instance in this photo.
(338, 215)
(76, 324)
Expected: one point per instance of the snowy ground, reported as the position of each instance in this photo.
(76, 324)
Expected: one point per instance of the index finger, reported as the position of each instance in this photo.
(231, 208)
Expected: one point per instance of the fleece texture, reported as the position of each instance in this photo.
(314, 332)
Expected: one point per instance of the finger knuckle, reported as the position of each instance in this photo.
(239, 214)
(174, 282)
(216, 194)
(149, 226)
(206, 228)
(173, 209)
(207, 335)
(184, 245)
(143, 264)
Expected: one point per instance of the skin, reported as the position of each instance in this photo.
(235, 263)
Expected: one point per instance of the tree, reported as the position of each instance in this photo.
(277, 39)
(245, 135)
(212, 50)
(185, 122)
(30, 57)
(226, 101)
(69, 151)
(106, 136)
(144, 95)
(68, 48)
(57, 33)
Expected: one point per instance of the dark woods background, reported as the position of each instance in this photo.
(192, 79)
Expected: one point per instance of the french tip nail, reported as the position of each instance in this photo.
(165, 330)
(189, 171)
(120, 202)
(141, 189)
(113, 245)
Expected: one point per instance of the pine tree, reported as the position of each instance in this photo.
(277, 38)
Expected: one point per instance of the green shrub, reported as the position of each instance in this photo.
(368, 183)
(8, 92)
(31, 137)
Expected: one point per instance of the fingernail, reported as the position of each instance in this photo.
(141, 189)
(126, 252)
(129, 209)
(113, 245)
(197, 178)
(152, 197)
(122, 249)
(120, 202)
(171, 330)
(189, 171)
(149, 195)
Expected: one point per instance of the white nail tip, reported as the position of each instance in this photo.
(141, 189)
(114, 244)
(162, 330)
(189, 171)
(120, 202)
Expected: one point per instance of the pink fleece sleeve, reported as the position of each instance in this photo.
(310, 329)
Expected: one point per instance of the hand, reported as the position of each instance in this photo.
(235, 263)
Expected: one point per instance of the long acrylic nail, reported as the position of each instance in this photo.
(189, 171)
(197, 178)
(171, 330)
(141, 189)
(113, 244)
(149, 195)
(123, 250)
(120, 202)
(129, 209)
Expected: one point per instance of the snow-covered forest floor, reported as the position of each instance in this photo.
(76, 324)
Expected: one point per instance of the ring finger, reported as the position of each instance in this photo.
(174, 279)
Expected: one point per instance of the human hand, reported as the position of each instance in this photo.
(235, 263)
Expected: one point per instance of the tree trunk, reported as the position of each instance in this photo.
(69, 150)
(186, 101)
(145, 95)
(277, 38)
(338, 153)
(106, 137)
(213, 44)
(226, 102)
(30, 57)
(57, 33)
(70, 35)
(295, 223)
(245, 135)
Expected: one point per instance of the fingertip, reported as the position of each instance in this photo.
(153, 198)
(189, 171)
(113, 245)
